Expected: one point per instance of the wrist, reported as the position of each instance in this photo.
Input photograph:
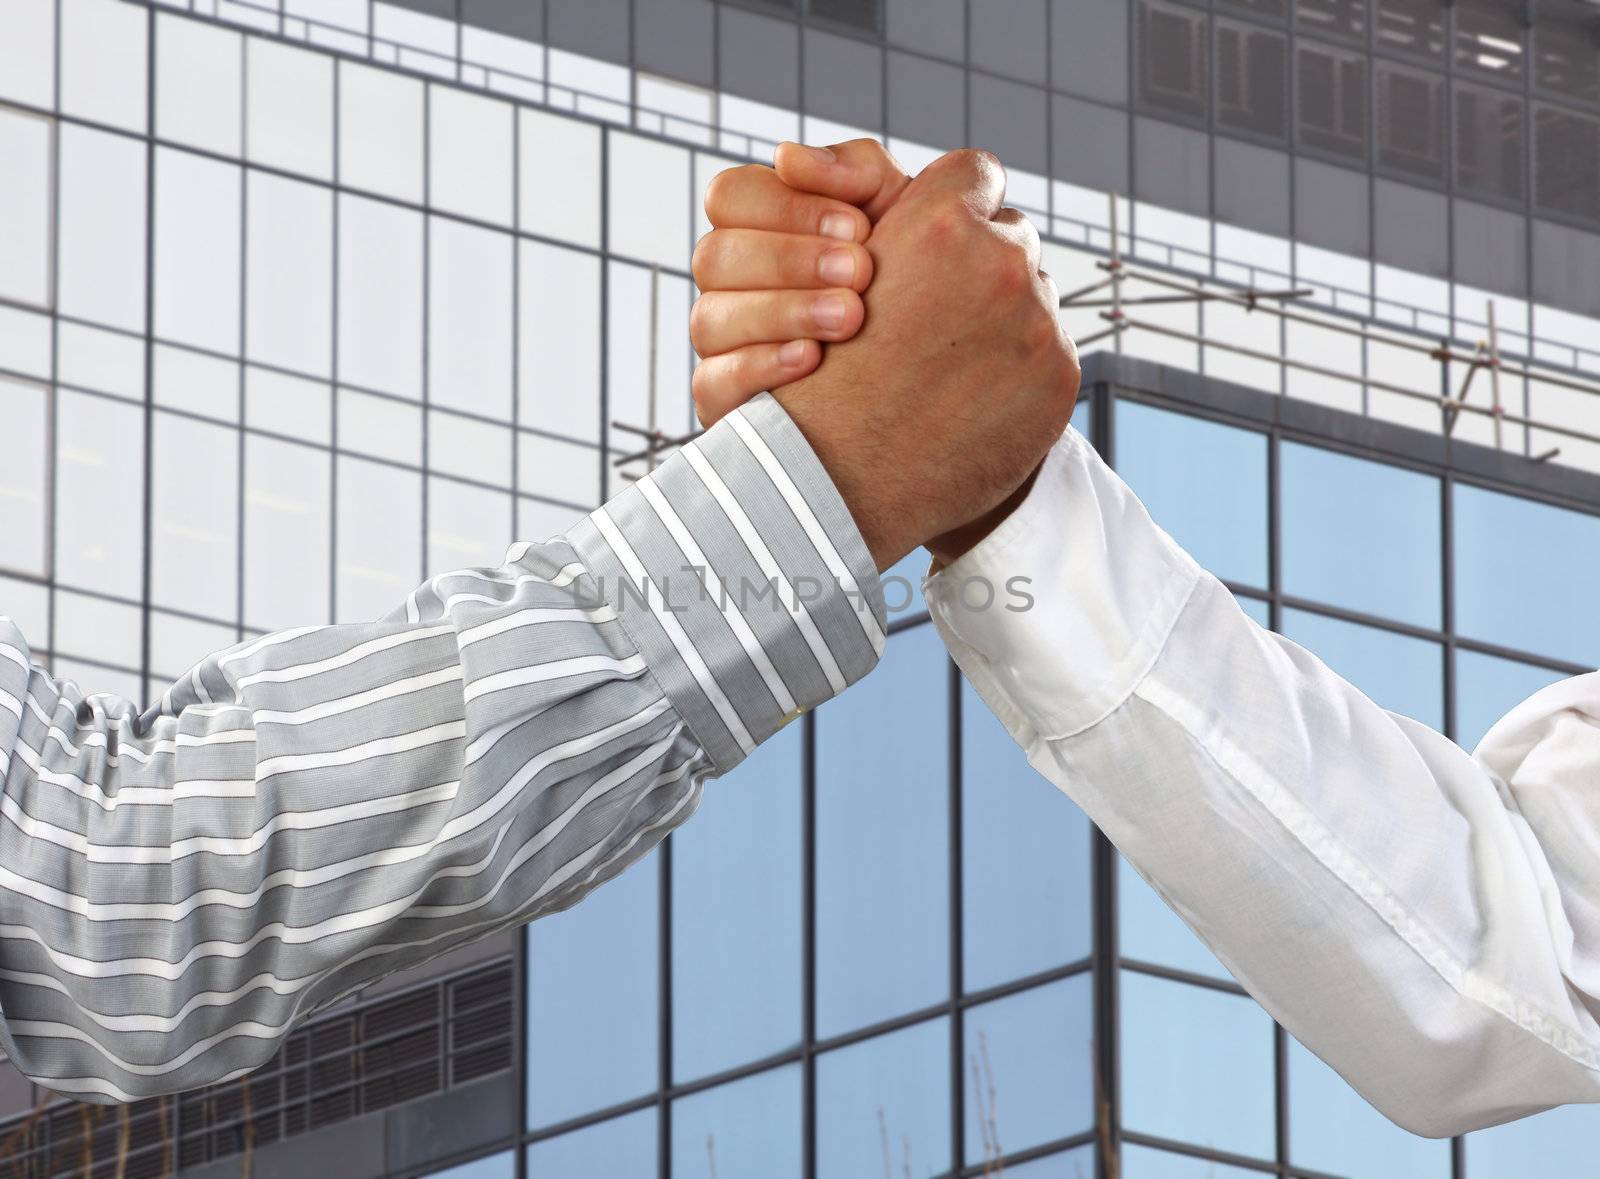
(951, 546)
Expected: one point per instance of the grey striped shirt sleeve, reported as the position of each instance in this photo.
(309, 811)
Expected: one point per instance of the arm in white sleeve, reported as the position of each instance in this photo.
(312, 810)
(1426, 921)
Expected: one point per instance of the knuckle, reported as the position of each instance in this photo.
(700, 315)
(720, 192)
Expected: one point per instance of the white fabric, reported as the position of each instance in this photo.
(1426, 921)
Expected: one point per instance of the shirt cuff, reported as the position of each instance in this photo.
(1058, 613)
(737, 571)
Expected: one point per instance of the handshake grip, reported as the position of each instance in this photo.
(933, 418)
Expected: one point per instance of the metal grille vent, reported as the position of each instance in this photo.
(1172, 59)
(359, 1060)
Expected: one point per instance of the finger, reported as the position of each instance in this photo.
(974, 176)
(860, 172)
(723, 383)
(759, 259)
(753, 197)
(724, 320)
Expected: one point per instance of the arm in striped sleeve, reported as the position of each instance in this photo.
(309, 811)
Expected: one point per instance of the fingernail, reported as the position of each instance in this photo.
(828, 312)
(839, 225)
(792, 354)
(838, 268)
(821, 154)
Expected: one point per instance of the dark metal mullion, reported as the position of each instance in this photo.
(808, 944)
(957, 897)
(427, 313)
(244, 257)
(147, 564)
(1275, 604)
(1107, 1078)
(519, 1046)
(53, 423)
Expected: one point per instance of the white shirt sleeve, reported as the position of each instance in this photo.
(1426, 921)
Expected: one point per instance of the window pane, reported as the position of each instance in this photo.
(1332, 1128)
(1558, 1142)
(1025, 859)
(751, 1127)
(559, 189)
(628, 336)
(25, 410)
(1488, 687)
(881, 855)
(1031, 1053)
(559, 341)
(194, 535)
(1252, 65)
(469, 154)
(1340, 18)
(1524, 575)
(1489, 142)
(380, 131)
(25, 208)
(1401, 673)
(1331, 100)
(1149, 931)
(468, 527)
(622, 1147)
(198, 84)
(1204, 483)
(1196, 1065)
(559, 470)
(1566, 54)
(499, 1166)
(101, 239)
(96, 467)
(289, 108)
(891, 1092)
(1144, 1162)
(289, 274)
(1412, 26)
(1360, 534)
(1566, 162)
(649, 205)
(736, 937)
(1258, 610)
(379, 563)
(1489, 38)
(1073, 1164)
(28, 51)
(469, 318)
(197, 251)
(1172, 58)
(902, 586)
(593, 999)
(286, 522)
(1410, 120)
(380, 296)
(103, 59)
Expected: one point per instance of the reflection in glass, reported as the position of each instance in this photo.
(1025, 859)
(1558, 1142)
(1488, 687)
(618, 1149)
(1204, 483)
(749, 1127)
(1149, 931)
(499, 1166)
(1196, 1065)
(593, 999)
(1144, 1162)
(736, 941)
(891, 1091)
(1402, 673)
(1524, 574)
(1072, 1164)
(1333, 1129)
(882, 841)
(1360, 534)
(1029, 1070)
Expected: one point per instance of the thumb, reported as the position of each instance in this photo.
(860, 172)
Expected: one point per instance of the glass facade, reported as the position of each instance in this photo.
(378, 288)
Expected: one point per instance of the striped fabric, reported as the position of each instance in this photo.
(310, 811)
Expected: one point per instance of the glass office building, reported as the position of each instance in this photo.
(270, 268)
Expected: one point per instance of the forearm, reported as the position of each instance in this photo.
(317, 808)
(1377, 889)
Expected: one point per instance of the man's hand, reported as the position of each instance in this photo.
(961, 378)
